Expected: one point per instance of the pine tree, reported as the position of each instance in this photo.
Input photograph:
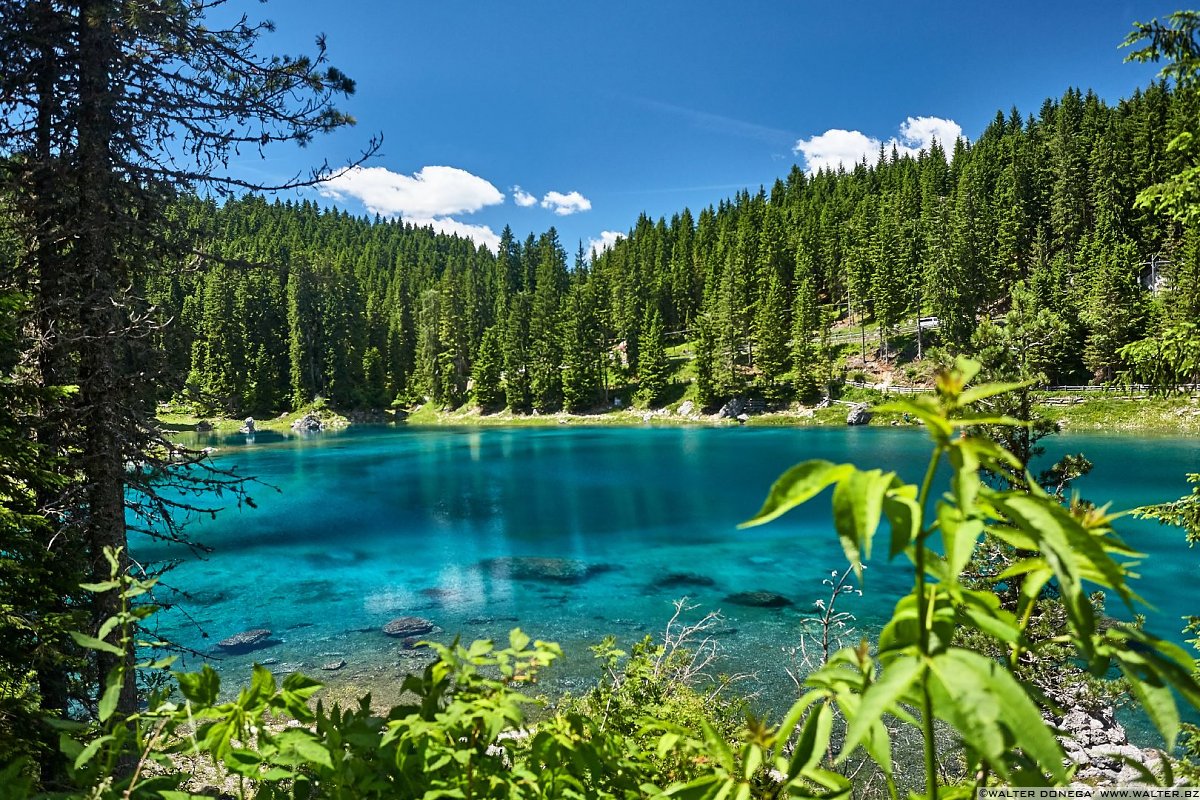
(806, 317)
(486, 372)
(771, 335)
(545, 353)
(705, 363)
(653, 367)
(517, 385)
(582, 343)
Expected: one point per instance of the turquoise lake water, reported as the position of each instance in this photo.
(375, 523)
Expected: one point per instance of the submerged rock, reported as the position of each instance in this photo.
(246, 641)
(537, 568)
(334, 666)
(673, 580)
(759, 599)
(404, 627)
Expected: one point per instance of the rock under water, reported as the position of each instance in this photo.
(758, 599)
(676, 579)
(246, 641)
(540, 568)
(404, 627)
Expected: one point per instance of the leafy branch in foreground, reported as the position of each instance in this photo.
(995, 716)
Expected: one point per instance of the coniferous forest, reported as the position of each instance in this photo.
(301, 302)
(1057, 247)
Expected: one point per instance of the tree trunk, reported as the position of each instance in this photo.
(103, 387)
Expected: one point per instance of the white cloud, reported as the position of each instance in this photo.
(566, 204)
(836, 146)
(426, 194)
(918, 134)
(847, 148)
(523, 198)
(480, 234)
(604, 241)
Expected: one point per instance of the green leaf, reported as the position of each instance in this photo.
(813, 741)
(798, 485)
(857, 507)
(112, 693)
(717, 746)
(1159, 704)
(102, 586)
(898, 677)
(752, 759)
(305, 745)
(92, 643)
(792, 719)
(666, 743)
(935, 422)
(977, 393)
(1070, 549)
(517, 639)
(959, 537)
(89, 752)
(200, 687)
(904, 516)
(992, 712)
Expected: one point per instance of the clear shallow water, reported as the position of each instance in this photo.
(375, 523)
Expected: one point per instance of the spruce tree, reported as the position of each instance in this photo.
(486, 372)
(771, 336)
(582, 348)
(806, 316)
(653, 367)
(517, 386)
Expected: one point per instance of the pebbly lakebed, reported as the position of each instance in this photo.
(572, 534)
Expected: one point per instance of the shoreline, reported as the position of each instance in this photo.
(1075, 413)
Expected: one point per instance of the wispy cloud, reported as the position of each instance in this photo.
(430, 192)
(719, 123)
(566, 204)
(837, 146)
(522, 198)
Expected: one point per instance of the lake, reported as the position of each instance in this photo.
(353, 529)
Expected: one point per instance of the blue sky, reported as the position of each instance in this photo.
(599, 111)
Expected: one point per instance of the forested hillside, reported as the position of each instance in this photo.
(301, 302)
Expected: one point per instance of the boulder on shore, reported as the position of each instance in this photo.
(758, 599)
(309, 422)
(248, 426)
(732, 409)
(859, 415)
(1094, 741)
(246, 641)
(403, 627)
(686, 408)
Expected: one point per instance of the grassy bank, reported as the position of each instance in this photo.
(1078, 411)
(1115, 412)
(178, 421)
